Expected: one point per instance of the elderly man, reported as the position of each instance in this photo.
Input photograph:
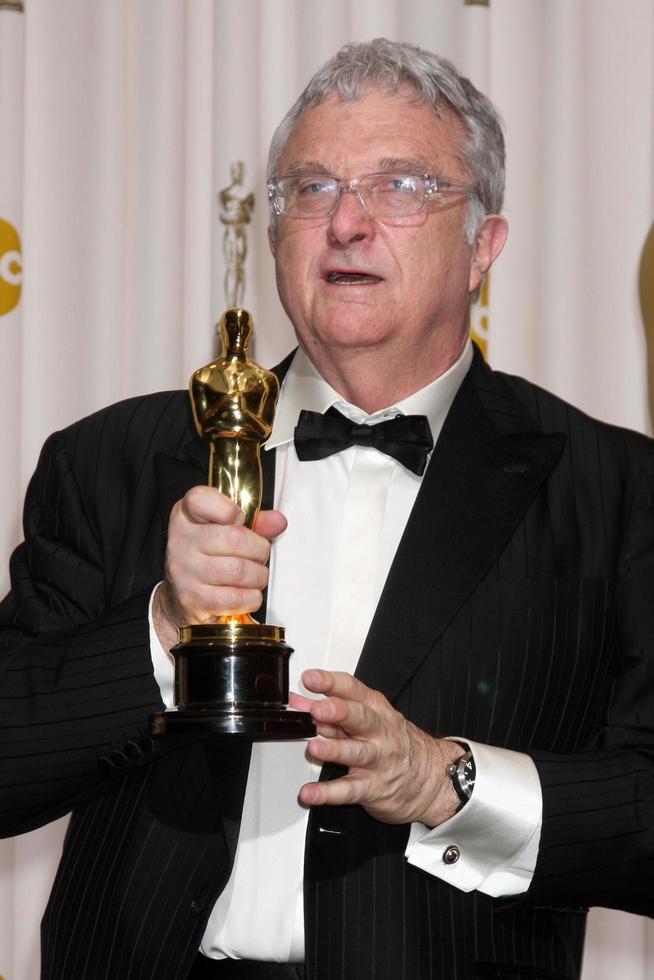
(472, 619)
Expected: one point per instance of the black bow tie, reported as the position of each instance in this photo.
(407, 438)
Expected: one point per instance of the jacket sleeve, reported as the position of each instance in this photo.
(597, 840)
(76, 681)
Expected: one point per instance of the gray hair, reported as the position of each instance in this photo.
(394, 65)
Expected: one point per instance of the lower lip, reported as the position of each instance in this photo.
(360, 282)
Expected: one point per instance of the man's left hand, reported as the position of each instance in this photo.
(396, 772)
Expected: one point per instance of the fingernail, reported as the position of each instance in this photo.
(240, 518)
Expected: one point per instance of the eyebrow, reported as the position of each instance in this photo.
(299, 167)
(387, 165)
(400, 164)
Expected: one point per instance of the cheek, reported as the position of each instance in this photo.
(295, 249)
(427, 263)
(450, 258)
(438, 277)
(287, 261)
(294, 276)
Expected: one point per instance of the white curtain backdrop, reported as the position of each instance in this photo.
(11, 161)
(119, 122)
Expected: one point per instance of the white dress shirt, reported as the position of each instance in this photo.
(346, 515)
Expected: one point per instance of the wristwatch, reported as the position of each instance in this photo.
(462, 772)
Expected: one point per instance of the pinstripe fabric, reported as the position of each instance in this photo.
(517, 612)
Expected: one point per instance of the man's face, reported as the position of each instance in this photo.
(417, 273)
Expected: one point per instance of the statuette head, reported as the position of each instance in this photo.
(235, 331)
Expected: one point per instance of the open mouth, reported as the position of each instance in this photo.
(351, 278)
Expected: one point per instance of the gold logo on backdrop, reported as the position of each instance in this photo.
(235, 213)
(646, 289)
(11, 267)
(479, 311)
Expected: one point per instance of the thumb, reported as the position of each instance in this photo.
(270, 523)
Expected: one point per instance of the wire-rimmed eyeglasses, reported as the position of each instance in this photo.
(383, 195)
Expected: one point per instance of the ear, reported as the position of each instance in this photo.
(271, 240)
(488, 245)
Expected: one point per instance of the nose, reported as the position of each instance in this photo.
(350, 221)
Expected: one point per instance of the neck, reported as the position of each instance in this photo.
(373, 379)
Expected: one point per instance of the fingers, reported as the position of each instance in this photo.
(187, 601)
(214, 564)
(351, 753)
(332, 682)
(206, 505)
(348, 704)
(395, 771)
(218, 540)
(339, 717)
(299, 703)
(392, 781)
(336, 792)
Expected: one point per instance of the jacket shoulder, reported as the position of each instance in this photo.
(131, 430)
(551, 413)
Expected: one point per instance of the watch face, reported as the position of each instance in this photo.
(468, 775)
(463, 775)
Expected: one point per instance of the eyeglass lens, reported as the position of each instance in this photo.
(383, 195)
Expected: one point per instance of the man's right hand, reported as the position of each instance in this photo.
(214, 564)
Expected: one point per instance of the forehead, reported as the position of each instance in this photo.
(350, 138)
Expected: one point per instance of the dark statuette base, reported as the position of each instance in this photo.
(231, 681)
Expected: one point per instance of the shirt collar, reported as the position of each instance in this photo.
(304, 388)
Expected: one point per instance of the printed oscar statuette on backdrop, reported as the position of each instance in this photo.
(231, 676)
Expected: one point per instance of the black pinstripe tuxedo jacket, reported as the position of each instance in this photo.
(519, 611)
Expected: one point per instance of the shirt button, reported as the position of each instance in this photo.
(451, 854)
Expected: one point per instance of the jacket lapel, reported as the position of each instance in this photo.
(487, 467)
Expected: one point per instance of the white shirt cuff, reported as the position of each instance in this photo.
(164, 670)
(492, 843)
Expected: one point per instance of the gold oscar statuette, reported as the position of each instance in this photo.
(231, 675)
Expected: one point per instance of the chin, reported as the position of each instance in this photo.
(353, 338)
(352, 329)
